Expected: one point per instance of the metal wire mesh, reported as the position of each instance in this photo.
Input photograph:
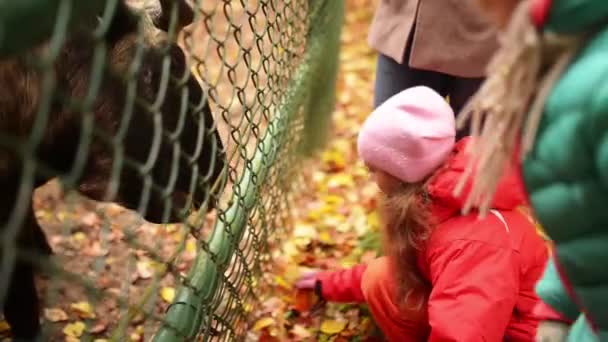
(162, 163)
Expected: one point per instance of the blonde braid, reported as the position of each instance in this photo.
(520, 77)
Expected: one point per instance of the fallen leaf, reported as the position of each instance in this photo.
(90, 220)
(138, 334)
(301, 332)
(167, 294)
(144, 270)
(55, 315)
(99, 328)
(138, 319)
(280, 281)
(83, 309)
(326, 238)
(334, 160)
(79, 236)
(4, 327)
(100, 340)
(61, 216)
(341, 180)
(304, 300)
(95, 250)
(272, 304)
(263, 323)
(332, 327)
(305, 231)
(74, 330)
(191, 246)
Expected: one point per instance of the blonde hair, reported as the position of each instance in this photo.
(507, 109)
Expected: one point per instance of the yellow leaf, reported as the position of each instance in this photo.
(191, 246)
(55, 315)
(179, 236)
(333, 220)
(290, 249)
(158, 266)
(263, 323)
(100, 340)
(301, 332)
(168, 294)
(325, 238)
(138, 333)
(4, 327)
(74, 329)
(282, 282)
(302, 242)
(303, 234)
(373, 220)
(334, 160)
(348, 263)
(304, 231)
(333, 200)
(341, 180)
(83, 309)
(292, 273)
(332, 327)
(79, 237)
(144, 269)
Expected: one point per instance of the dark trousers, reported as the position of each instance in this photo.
(392, 78)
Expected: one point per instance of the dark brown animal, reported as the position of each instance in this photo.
(159, 154)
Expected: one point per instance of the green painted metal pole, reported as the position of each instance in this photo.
(320, 103)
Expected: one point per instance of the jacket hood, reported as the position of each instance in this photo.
(576, 16)
(509, 195)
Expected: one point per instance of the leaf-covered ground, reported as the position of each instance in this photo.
(336, 221)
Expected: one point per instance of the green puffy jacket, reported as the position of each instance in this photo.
(567, 175)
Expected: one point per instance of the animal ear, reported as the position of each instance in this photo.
(123, 21)
(161, 17)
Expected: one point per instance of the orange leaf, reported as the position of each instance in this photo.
(304, 300)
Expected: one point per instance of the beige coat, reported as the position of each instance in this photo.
(451, 36)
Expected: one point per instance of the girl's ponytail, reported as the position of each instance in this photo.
(506, 110)
(407, 225)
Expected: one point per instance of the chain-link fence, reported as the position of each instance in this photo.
(148, 152)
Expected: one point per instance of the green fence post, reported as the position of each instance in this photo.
(321, 101)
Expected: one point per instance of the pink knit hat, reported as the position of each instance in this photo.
(410, 135)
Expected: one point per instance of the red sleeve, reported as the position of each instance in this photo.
(343, 285)
(475, 287)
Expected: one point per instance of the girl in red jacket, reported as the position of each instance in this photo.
(445, 276)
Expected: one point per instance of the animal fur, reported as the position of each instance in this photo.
(176, 129)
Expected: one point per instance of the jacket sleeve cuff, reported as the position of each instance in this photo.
(546, 313)
(342, 286)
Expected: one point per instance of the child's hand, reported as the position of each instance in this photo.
(308, 296)
(307, 281)
(552, 331)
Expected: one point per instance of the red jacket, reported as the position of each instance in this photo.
(482, 270)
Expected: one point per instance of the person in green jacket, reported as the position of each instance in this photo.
(546, 100)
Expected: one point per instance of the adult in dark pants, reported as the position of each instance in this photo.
(441, 44)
